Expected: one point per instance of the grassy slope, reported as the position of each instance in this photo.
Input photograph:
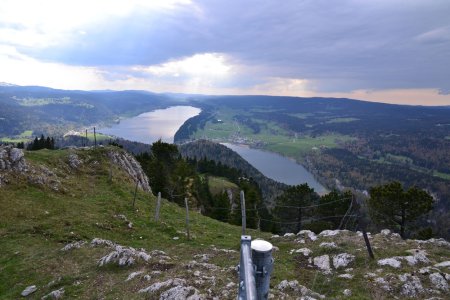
(218, 184)
(36, 222)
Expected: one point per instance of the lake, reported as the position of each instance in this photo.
(152, 126)
(277, 167)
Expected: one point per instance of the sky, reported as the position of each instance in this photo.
(394, 51)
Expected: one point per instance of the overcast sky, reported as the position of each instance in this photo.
(387, 50)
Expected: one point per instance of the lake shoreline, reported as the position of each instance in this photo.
(307, 176)
(149, 127)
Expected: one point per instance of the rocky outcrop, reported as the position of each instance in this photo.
(128, 163)
(13, 163)
(74, 161)
(12, 159)
(121, 255)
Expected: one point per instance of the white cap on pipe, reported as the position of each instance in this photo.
(261, 246)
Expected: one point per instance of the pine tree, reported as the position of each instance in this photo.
(288, 207)
(391, 206)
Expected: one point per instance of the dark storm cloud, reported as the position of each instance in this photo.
(339, 45)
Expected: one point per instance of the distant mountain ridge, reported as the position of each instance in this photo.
(53, 111)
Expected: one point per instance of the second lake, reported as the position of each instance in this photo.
(277, 167)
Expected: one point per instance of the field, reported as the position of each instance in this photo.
(218, 184)
(24, 137)
(271, 137)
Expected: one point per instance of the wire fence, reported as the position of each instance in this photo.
(281, 206)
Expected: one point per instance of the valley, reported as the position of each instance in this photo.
(342, 143)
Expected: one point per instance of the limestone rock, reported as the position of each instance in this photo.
(392, 262)
(383, 283)
(412, 286)
(194, 264)
(342, 260)
(294, 286)
(74, 161)
(56, 294)
(311, 235)
(128, 163)
(161, 285)
(385, 232)
(331, 245)
(439, 281)
(73, 245)
(347, 292)
(123, 256)
(12, 159)
(133, 275)
(444, 264)
(438, 242)
(304, 251)
(417, 256)
(102, 242)
(29, 290)
(181, 292)
(331, 232)
(224, 250)
(323, 263)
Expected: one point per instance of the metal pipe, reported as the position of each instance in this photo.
(263, 261)
(247, 284)
(244, 218)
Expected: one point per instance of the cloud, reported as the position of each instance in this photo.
(23, 70)
(198, 65)
(437, 35)
(273, 46)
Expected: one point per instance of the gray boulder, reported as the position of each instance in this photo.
(29, 290)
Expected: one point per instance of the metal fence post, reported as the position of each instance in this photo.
(244, 218)
(247, 284)
(263, 261)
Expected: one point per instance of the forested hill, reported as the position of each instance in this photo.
(52, 111)
(318, 115)
(213, 151)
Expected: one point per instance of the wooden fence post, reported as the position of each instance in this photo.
(244, 218)
(187, 218)
(86, 141)
(362, 226)
(158, 204)
(95, 139)
(369, 248)
(135, 192)
(110, 170)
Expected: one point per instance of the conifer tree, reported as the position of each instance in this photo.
(396, 208)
